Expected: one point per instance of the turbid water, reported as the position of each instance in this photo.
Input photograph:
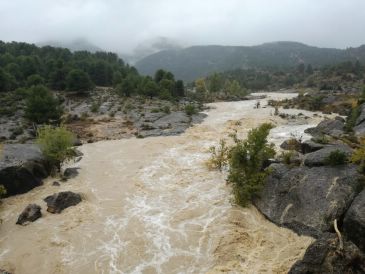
(151, 206)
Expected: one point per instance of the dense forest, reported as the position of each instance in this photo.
(26, 65)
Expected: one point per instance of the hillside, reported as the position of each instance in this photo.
(197, 61)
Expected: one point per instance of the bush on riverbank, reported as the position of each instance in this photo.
(246, 160)
(56, 145)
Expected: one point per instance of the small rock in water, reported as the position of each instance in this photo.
(71, 172)
(59, 201)
(55, 183)
(31, 213)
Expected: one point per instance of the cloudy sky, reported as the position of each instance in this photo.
(121, 25)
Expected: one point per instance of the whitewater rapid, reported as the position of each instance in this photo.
(151, 206)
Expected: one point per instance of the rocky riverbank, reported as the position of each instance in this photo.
(318, 192)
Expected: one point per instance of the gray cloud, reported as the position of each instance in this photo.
(121, 25)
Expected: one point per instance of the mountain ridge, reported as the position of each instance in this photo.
(199, 60)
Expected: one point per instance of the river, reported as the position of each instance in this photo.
(151, 206)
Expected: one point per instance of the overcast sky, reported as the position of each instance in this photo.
(120, 25)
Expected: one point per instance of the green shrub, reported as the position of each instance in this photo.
(56, 144)
(95, 107)
(358, 156)
(246, 161)
(335, 158)
(219, 156)
(351, 119)
(2, 191)
(190, 110)
(166, 109)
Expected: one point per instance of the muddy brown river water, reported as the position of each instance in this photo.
(151, 206)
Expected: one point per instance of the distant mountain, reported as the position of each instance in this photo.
(151, 46)
(73, 45)
(198, 61)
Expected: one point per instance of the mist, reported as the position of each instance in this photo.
(122, 25)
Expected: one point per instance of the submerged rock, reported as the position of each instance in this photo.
(324, 256)
(71, 172)
(22, 167)
(308, 200)
(354, 221)
(31, 213)
(59, 201)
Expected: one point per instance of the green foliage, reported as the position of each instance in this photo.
(2, 191)
(41, 106)
(246, 161)
(190, 109)
(351, 119)
(358, 156)
(34, 80)
(56, 144)
(335, 158)
(219, 156)
(78, 80)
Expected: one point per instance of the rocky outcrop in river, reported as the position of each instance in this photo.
(22, 167)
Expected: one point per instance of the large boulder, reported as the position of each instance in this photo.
(308, 200)
(354, 221)
(59, 201)
(319, 157)
(22, 167)
(31, 213)
(324, 256)
(332, 127)
(310, 146)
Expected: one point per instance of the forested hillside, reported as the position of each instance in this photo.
(199, 61)
(26, 65)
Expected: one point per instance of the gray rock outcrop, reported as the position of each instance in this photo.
(319, 157)
(324, 256)
(22, 167)
(308, 200)
(354, 221)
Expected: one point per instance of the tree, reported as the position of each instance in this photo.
(56, 144)
(7, 81)
(34, 80)
(41, 106)
(159, 75)
(200, 86)
(215, 83)
(150, 88)
(78, 80)
(179, 88)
